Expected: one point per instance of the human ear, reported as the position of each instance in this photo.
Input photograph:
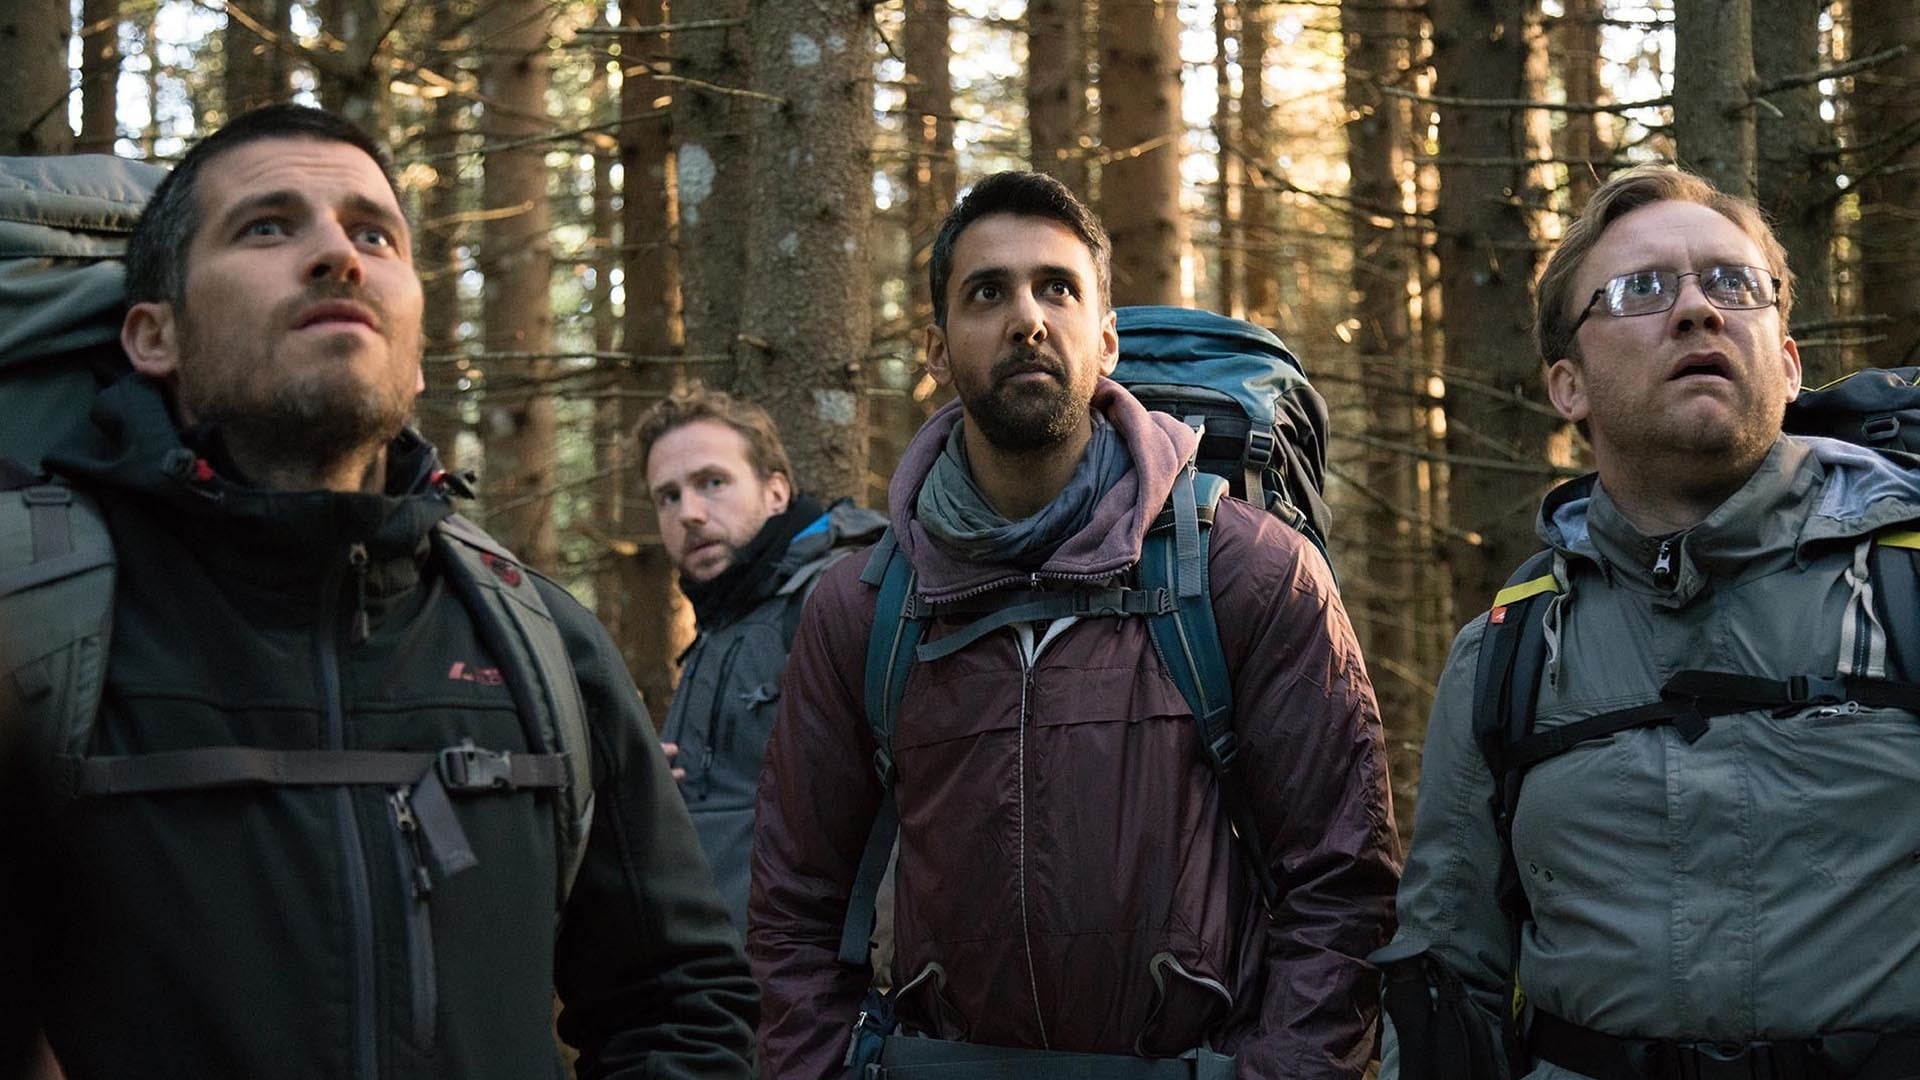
(150, 336)
(937, 360)
(1567, 388)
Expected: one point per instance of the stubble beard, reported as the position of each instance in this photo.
(1028, 418)
(311, 418)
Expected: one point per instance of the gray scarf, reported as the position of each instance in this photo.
(957, 515)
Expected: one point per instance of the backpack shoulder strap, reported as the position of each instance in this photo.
(517, 626)
(890, 654)
(1175, 559)
(57, 573)
(1895, 571)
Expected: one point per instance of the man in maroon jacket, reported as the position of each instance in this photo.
(1067, 879)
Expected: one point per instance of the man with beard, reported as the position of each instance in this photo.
(1068, 883)
(361, 792)
(1693, 863)
(749, 549)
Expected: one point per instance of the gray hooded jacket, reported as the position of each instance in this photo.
(1758, 884)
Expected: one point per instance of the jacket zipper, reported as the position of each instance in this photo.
(353, 845)
(422, 978)
(1020, 839)
(720, 723)
(1664, 574)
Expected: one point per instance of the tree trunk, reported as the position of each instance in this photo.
(99, 76)
(1140, 129)
(1258, 231)
(1226, 133)
(1576, 44)
(1713, 85)
(258, 66)
(33, 50)
(1486, 246)
(933, 178)
(808, 321)
(710, 134)
(353, 64)
(441, 232)
(517, 259)
(1887, 118)
(651, 617)
(1384, 349)
(1798, 163)
(1057, 90)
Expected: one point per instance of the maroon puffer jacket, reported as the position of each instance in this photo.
(1067, 877)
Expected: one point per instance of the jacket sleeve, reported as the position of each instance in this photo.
(1314, 762)
(648, 966)
(818, 795)
(1447, 900)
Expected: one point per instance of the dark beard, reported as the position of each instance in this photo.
(308, 427)
(1023, 420)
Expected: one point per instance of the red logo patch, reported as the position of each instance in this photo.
(1497, 615)
(502, 569)
(486, 676)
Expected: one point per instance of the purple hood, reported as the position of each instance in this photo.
(1158, 444)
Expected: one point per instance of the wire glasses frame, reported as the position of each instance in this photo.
(1730, 287)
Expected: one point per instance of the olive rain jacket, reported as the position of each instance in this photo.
(1066, 877)
(276, 931)
(723, 709)
(1757, 884)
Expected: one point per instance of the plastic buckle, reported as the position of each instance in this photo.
(1884, 428)
(883, 766)
(46, 495)
(1260, 447)
(1222, 751)
(1816, 690)
(1719, 1061)
(467, 768)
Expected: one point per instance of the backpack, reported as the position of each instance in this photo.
(1213, 372)
(1878, 407)
(63, 228)
(64, 223)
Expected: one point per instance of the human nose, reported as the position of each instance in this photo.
(1691, 308)
(335, 256)
(1029, 322)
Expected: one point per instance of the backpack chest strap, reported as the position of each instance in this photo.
(464, 769)
(1001, 608)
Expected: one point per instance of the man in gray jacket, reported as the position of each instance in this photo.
(1720, 885)
(748, 547)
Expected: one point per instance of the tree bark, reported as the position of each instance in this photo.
(1259, 233)
(1383, 347)
(933, 178)
(1798, 162)
(33, 51)
(99, 76)
(710, 135)
(441, 231)
(1575, 41)
(1140, 129)
(1226, 133)
(1713, 84)
(517, 259)
(808, 320)
(1887, 119)
(649, 615)
(354, 63)
(1485, 239)
(257, 69)
(1057, 90)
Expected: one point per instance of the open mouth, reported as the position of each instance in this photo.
(335, 315)
(1698, 365)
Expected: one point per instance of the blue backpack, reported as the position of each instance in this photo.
(1263, 438)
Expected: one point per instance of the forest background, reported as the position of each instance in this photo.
(613, 199)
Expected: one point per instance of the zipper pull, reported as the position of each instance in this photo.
(409, 826)
(1664, 575)
(362, 626)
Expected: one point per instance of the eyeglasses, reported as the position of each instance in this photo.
(1650, 292)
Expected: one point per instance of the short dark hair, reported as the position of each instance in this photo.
(157, 250)
(1025, 194)
(765, 453)
(1557, 307)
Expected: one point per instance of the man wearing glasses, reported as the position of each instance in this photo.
(1706, 882)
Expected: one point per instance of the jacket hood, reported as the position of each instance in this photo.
(1157, 443)
(131, 443)
(1807, 491)
(843, 525)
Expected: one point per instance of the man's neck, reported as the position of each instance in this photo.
(362, 471)
(1018, 485)
(1657, 505)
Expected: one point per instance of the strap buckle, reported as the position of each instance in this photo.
(1260, 447)
(883, 766)
(1816, 690)
(1222, 751)
(46, 495)
(467, 768)
(1730, 1061)
(1883, 428)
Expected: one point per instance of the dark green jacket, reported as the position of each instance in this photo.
(276, 932)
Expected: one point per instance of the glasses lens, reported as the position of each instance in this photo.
(1641, 292)
(1737, 286)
